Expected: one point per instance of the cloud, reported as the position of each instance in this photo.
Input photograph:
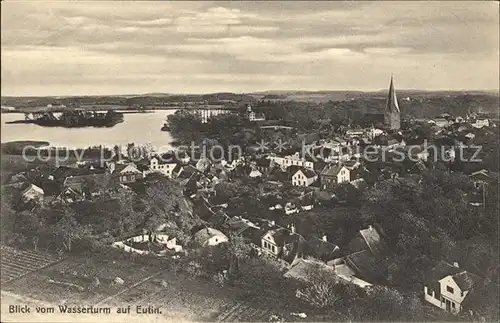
(260, 44)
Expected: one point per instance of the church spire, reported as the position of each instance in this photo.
(392, 112)
(392, 100)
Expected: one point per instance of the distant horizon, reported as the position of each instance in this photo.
(263, 92)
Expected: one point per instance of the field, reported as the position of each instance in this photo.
(18, 263)
(178, 297)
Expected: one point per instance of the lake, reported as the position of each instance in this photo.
(139, 128)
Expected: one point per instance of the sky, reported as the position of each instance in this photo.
(127, 47)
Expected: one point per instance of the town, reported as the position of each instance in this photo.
(317, 216)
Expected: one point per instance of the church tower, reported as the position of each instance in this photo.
(392, 113)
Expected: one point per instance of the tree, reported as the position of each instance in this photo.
(68, 230)
(238, 250)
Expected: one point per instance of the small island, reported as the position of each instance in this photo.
(73, 119)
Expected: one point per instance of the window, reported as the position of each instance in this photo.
(449, 289)
(452, 305)
(273, 248)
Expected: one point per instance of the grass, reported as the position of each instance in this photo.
(179, 297)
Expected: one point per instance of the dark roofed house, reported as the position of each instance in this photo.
(79, 183)
(264, 165)
(321, 249)
(237, 225)
(334, 175)
(366, 266)
(368, 239)
(51, 190)
(302, 269)
(283, 244)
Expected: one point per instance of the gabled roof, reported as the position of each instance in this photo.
(372, 239)
(50, 188)
(466, 281)
(482, 175)
(441, 270)
(33, 187)
(238, 224)
(365, 264)
(187, 171)
(255, 173)
(130, 167)
(320, 249)
(333, 171)
(283, 236)
(307, 172)
(203, 235)
(302, 269)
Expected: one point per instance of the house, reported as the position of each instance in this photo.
(304, 177)
(203, 164)
(334, 175)
(163, 166)
(480, 123)
(394, 143)
(451, 288)
(264, 165)
(321, 249)
(352, 164)
(359, 184)
(84, 183)
(255, 174)
(209, 237)
(362, 268)
(32, 193)
(51, 190)
(368, 239)
(283, 244)
(238, 224)
(301, 269)
(441, 122)
(346, 273)
(480, 178)
(355, 132)
(126, 173)
(69, 195)
(252, 116)
(292, 160)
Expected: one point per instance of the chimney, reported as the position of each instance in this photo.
(273, 223)
(370, 228)
(455, 264)
(325, 239)
(292, 228)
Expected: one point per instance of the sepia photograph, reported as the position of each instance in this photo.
(250, 161)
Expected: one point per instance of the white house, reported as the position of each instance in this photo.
(203, 164)
(481, 122)
(335, 175)
(165, 167)
(450, 288)
(32, 193)
(255, 173)
(292, 160)
(304, 177)
(209, 237)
